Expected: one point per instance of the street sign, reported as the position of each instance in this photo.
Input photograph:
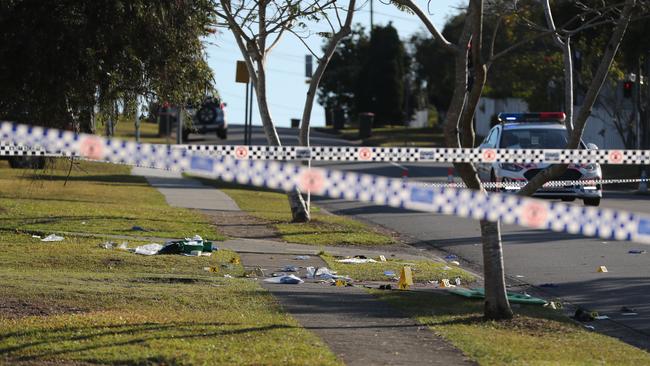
(241, 75)
(308, 66)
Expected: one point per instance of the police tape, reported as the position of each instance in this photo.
(416, 154)
(394, 192)
(551, 184)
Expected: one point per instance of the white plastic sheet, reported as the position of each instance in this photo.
(149, 249)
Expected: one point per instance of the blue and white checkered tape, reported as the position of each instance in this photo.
(394, 192)
(414, 154)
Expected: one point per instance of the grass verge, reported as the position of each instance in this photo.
(323, 229)
(73, 302)
(536, 335)
(394, 136)
(125, 129)
(97, 198)
(422, 270)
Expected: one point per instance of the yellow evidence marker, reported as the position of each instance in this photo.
(405, 278)
(602, 269)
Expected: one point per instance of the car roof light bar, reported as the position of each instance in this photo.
(532, 117)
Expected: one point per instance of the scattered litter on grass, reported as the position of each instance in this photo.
(52, 237)
(446, 268)
(601, 317)
(434, 283)
(444, 283)
(356, 260)
(636, 251)
(590, 327)
(451, 257)
(254, 272)
(324, 273)
(290, 268)
(83, 223)
(302, 257)
(227, 276)
(390, 273)
(290, 279)
(36, 236)
(148, 249)
(554, 305)
(382, 258)
(549, 285)
(455, 263)
(457, 281)
(137, 228)
(107, 245)
(278, 274)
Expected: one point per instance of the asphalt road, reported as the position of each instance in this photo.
(534, 257)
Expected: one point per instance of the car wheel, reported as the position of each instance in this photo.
(568, 199)
(592, 201)
(222, 133)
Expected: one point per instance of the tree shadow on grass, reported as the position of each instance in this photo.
(136, 334)
(125, 179)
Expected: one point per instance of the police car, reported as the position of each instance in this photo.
(544, 130)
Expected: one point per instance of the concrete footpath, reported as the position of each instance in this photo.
(358, 328)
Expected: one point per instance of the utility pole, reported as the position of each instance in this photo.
(372, 23)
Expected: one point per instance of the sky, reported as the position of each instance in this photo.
(286, 86)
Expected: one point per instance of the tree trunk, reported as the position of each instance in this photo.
(299, 212)
(496, 300)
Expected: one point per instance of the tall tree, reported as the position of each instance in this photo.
(381, 84)
(63, 59)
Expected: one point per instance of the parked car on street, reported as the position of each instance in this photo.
(544, 130)
(209, 117)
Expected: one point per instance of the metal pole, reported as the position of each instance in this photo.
(372, 23)
(250, 118)
(246, 117)
(179, 132)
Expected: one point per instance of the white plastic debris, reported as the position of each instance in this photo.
(36, 236)
(288, 280)
(52, 237)
(149, 249)
(324, 273)
(356, 260)
(455, 263)
(302, 257)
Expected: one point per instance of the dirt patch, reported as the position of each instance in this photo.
(238, 224)
(534, 326)
(14, 308)
(113, 262)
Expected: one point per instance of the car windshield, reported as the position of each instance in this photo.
(534, 138)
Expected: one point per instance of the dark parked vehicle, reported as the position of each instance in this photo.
(210, 117)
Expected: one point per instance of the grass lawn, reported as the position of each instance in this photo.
(422, 270)
(536, 336)
(73, 302)
(323, 229)
(398, 136)
(125, 129)
(98, 198)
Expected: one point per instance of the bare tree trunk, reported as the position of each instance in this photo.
(303, 137)
(299, 212)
